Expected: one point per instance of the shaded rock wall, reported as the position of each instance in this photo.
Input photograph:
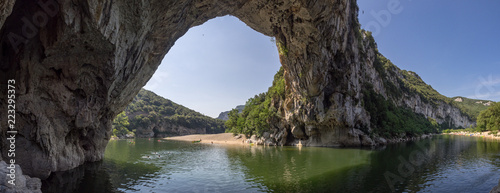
(77, 64)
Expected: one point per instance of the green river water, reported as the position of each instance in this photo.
(442, 163)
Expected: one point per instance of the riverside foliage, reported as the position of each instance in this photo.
(489, 120)
(259, 111)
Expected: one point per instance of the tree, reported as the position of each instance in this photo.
(120, 124)
(489, 119)
(259, 110)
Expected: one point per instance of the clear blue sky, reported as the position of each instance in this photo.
(217, 66)
(453, 45)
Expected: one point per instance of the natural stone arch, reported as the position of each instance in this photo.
(90, 58)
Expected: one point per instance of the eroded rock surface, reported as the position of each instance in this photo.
(77, 64)
(23, 183)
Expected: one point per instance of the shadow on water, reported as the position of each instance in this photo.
(81, 179)
(102, 176)
(98, 177)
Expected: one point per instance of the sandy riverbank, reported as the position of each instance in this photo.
(477, 134)
(221, 138)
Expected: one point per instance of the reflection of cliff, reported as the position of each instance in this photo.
(81, 179)
(440, 161)
(288, 169)
(103, 176)
(97, 177)
(439, 164)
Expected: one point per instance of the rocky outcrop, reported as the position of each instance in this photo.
(77, 64)
(225, 115)
(22, 183)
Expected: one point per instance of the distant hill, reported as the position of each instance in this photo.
(471, 107)
(225, 115)
(151, 115)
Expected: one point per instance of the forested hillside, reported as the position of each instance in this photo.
(150, 115)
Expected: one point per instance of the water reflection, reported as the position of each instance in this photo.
(290, 169)
(80, 180)
(440, 164)
(103, 176)
(446, 164)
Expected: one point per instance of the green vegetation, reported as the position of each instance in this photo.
(148, 108)
(259, 110)
(417, 85)
(410, 83)
(388, 120)
(470, 107)
(489, 119)
(466, 130)
(282, 50)
(121, 125)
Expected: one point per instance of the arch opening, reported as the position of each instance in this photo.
(216, 66)
(90, 58)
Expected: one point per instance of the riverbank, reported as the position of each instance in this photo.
(221, 138)
(486, 134)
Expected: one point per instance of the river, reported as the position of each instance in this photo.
(443, 163)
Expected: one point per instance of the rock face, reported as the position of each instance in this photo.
(225, 115)
(77, 64)
(23, 183)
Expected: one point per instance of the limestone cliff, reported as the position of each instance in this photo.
(404, 89)
(77, 64)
